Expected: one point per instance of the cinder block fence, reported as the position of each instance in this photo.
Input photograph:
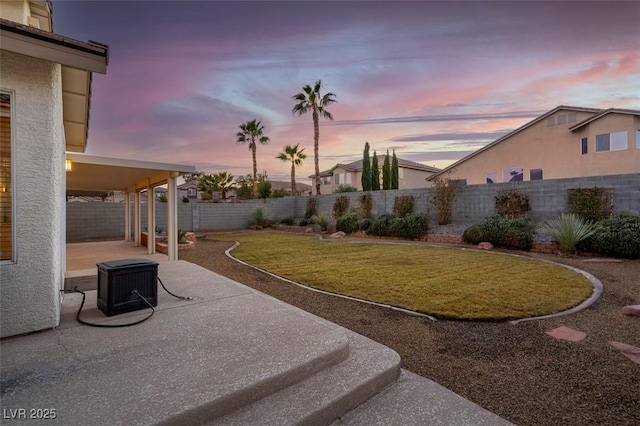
(548, 199)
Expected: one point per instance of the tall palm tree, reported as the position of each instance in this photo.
(252, 132)
(296, 157)
(310, 99)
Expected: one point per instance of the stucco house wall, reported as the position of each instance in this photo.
(29, 296)
(551, 146)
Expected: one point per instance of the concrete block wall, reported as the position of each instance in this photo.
(548, 200)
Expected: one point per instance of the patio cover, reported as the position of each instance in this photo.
(94, 173)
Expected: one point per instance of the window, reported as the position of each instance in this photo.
(325, 180)
(338, 179)
(562, 119)
(638, 139)
(6, 180)
(573, 117)
(584, 146)
(551, 121)
(492, 177)
(513, 174)
(191, 192)
(535, 174)
(611, 142)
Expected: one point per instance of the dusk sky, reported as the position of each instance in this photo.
(432, 80)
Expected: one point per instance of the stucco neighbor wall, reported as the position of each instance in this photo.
(29, 287)
(556, 150)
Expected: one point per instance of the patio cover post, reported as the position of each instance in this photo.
(172, 216)
(151, 218)
(127, 216)
(137, 218)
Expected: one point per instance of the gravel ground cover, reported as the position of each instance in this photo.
(515, 371)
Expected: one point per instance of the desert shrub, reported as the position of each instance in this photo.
(348, 223)
(321, 219)
(512, 204)
(365, 224)
(502, 232)
(617, 236)
(366, 205)
(568, 231)
(260, 216)
(182, 236)
(380, 225)
(279, 193)
(312, 208)
(340, 206)
(185, 199)
(445, 192)
(403, 205)
(305, 222)
(345, 188)
(288, 221)
(410, 227)
(590, 203)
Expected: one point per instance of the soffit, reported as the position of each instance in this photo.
(93, 173)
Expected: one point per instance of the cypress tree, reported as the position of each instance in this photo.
(375, 173)
(366, 169)
(386, 172)
(395, 172)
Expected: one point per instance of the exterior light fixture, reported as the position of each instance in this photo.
(67, 165)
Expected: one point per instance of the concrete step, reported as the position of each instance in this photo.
(328, 394)
(414, 400)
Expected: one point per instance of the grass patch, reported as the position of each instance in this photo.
(444, 282)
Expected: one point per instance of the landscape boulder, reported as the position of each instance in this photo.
(485, 246)
(631, 310)
(338, 234)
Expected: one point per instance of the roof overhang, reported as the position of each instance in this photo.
(78, 60)
(93, 173)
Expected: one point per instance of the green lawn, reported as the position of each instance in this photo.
(443, 282)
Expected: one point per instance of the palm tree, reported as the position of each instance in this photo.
(296, 157)
(310, 99)
(251, 132)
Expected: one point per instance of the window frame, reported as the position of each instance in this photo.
(611, 141)
(12, 174)
(536, 170)
(584, 146)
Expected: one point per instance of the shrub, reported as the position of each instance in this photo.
(348, 223)
(590, 203)
(499, 231)
(345, 188)
(260, 216)
(288, 221)
(305, 222)
(380, 225)
(568, 231)
(365, 224)
(312, 208)
(410, 227)
(403, 205)
(512, 204)
(185, 199)
(182, 237)
(617, 236)
(321, 219)
(445, 192)
(279, 193)
(366, 205)
(340, 206)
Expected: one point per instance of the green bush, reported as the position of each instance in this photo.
(279, 193)
(410, 227)
(366, 205)
(312, 208)
(182, 236)
(365, 224)
(568, 231)
(321, 219)
(618, 236)
(590, 203)
(288, 221)
(340, 206)
(512, 204)
(348, 223)
(380, 225)
(260, 216)
(501, 232)
(345, 188)
(403, 205)
(305, 222)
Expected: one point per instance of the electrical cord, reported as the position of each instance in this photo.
(81, 321)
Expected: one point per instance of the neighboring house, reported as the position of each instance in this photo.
(301, 188)
(45, 93)
(566, 142)
(411, 175)
(189, 190)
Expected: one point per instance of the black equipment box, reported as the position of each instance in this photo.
(118, 278)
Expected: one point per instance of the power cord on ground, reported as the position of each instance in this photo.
(81, 321)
